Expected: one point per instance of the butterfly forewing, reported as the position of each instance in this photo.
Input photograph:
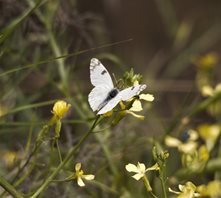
(130, 92)
(99, 74)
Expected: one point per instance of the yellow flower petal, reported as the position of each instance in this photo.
(210, 134)
(147, 97)
(218, 87)
(60, 108)
(80, 182)
(135, 115)
(172, 142)
(207, 90)
(131, 168)
(141, 167)
(88, 177)
(173, 191)
(188, 147)
(136, 106)
(77, 167)
(138, 176)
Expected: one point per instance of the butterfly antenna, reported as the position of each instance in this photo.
(115, 79)
(119, 83)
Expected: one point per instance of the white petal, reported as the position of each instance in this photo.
(138, 176)
(77, 167)
(80, 182)
(147, 97)
(173, 191)
(172, 142)
(181, 187)
(131, 168)
(188, 147)
(141, 167)
(88, 177)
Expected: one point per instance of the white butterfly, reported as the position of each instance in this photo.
(104, 96)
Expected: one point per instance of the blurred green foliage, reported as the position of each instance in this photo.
(45, 51)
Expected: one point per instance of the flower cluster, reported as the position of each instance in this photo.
(190, 190)
(186, 191)
(194, 155)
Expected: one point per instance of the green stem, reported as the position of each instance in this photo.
(107, 153)
(197, 109)
(59, 151)
(148, 187)
(9, 188)
(66, 160)
(57, 53)
(23, 177)
(163, 187)
(205, 104)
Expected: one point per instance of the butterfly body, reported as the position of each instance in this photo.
(104, 96)
(113, 93)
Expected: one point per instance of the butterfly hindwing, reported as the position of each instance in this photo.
(97, 96)
(99, 74)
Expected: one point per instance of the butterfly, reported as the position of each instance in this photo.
(104, 96)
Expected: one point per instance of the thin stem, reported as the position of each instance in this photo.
(23, 177)
(153, 195)
(9, 188)
(163, 187)
(194, 111)
(148, 187)
(66, 160)
(59, 151)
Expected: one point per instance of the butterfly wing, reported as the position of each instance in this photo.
(97, 96)
(110, 105)
(102, 81)
(130, 92)
(99, 74)
(124, 95)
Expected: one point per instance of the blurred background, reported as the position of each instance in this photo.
(175, 45)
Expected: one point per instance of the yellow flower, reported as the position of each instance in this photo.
(186, 191)
(137, 106)
(10, 158)
(210, 134)
(212, 189)
(194, 157)
(140, 169)
(60, 108)
(207, 61)
(197, 160)
(79, 175)
(208, 90)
